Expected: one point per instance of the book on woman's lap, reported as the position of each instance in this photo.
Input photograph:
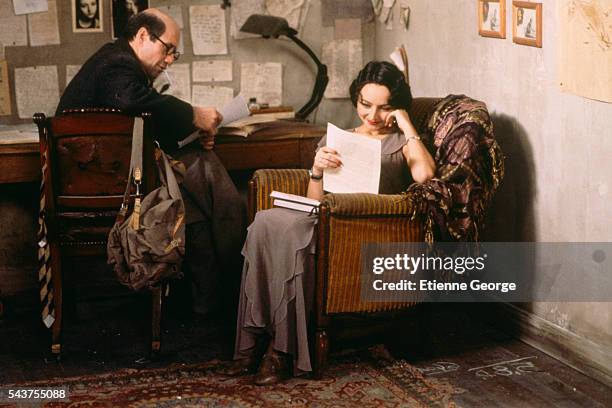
(295, 202)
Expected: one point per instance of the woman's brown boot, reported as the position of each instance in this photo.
(274, 368)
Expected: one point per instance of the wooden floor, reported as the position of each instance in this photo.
(491, 368)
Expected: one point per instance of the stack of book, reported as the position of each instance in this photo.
(295, 202)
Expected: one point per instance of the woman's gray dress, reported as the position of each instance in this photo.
(277, 286)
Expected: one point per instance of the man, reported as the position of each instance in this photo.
(120, 75)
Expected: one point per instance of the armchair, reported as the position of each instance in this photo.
(426, 212)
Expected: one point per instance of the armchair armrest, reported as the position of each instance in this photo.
(374, 205)
(264, 181)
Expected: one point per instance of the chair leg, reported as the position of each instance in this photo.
(321, 351)
(156, 304)
(58, 300)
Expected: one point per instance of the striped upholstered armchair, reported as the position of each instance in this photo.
(346, 221)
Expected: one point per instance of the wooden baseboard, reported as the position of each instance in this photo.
(586, 356)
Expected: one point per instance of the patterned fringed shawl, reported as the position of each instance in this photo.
(469, 169)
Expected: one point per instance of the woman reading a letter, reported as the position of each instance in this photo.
(277, 287)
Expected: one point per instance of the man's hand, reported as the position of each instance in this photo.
(207, 141)
(206, 119)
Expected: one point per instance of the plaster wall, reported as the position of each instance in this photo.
(558, 169)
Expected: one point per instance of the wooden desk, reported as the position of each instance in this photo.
(21, 163)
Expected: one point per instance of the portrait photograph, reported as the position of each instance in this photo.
(122, 10)
(527, 23)
(87, 16)
(492, 18)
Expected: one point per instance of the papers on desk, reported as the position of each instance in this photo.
(360, 155)
(236, 109)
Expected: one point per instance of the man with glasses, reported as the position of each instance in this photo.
(120, 75)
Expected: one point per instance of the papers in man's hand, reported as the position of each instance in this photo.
(295, 202)
(236, 109)
(360, 155)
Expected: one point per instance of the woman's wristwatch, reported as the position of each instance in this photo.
(313, 176)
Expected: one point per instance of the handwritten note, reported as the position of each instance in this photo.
(36, 90)
(29, 6)
(207, 25)
(212, 71)
(13, 29)
(5, 90)
(263, 81)
(217, 96)
(360, 155)
(43, 27)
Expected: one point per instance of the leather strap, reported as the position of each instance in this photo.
(135, 172)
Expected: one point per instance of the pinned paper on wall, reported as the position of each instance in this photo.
(347, 29)
(179, 81)
(263, 81)
(43, 27)
(71, 71)
(29, 6)
(216, 96)
(335, 9)
(36, 90)
(241, 10)
(291, 10)
(585, 52)
(207, 25)
(5, 90)
(386, 14)
(344, 59)
(13, 29)
(212, 71)
(404, 13)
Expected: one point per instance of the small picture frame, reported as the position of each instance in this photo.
(87, 16)
(492, 18)
(527, 23)
(122, 10)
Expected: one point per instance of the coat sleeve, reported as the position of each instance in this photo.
(124, 85)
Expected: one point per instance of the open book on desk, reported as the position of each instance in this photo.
(295, 202)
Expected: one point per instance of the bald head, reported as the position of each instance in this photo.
(154, 36)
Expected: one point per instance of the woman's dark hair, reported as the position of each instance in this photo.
(152, 23)
(386, 74)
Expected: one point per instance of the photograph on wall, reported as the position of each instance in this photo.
(87, 16)
(492, 18)
(527, 23)
(122, 10)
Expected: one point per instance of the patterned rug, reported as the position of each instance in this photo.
(350, 381)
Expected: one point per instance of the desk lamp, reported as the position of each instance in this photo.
(272, 26)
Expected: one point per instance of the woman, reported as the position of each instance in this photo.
(278, 280)
(87, 14)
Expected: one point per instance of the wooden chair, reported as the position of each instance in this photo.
(85, 156)
(346, 221)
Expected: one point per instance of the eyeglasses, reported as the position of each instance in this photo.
(170, 49)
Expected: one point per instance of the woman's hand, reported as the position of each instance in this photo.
(400, 116)
(326, 158)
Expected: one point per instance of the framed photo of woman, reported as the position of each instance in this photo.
(527, 23)
(122, 10)
(492, 18)
(87, 16)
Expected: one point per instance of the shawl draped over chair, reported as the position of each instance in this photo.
(469, 169)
